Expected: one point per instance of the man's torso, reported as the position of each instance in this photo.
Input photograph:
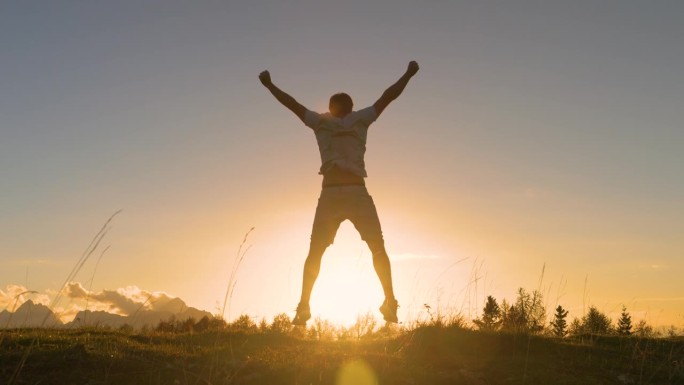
(342, 145)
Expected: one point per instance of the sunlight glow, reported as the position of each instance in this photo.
(347, 285)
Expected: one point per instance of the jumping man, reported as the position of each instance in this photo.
(341, 136)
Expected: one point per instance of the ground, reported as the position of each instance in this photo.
(424, 355)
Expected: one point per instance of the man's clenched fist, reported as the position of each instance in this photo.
(412, 68)
(265, 78)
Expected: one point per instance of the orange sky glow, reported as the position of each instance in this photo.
(538, 147)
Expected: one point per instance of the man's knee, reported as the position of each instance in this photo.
(317, 248)
(377, 247)
(313, 260)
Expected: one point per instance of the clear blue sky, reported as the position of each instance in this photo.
(535, 133)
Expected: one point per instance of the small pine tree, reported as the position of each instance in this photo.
(559, 325)
(576, 327)
(644, 330)
(595, 322)
(526, 315)
(491, 316)
(624, 326)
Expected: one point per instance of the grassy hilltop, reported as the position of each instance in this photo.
(423, 355)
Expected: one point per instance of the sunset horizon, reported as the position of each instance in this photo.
(538, 147)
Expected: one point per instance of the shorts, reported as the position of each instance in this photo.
(338, 203)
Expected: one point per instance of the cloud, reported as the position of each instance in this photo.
(118, 301)
(410, 256)
(14, 295)
(69, 313)
(651, 265)
(41, 298)
(75, 290)
(122, 301)
(127, 300)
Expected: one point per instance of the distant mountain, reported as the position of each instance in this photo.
(137, 319)
(97, 318)
(175, 308)
(175, 305)
(29, 315)
(153, 317)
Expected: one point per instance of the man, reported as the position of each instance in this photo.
(341, 136)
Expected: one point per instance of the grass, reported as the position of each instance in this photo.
(424, 355)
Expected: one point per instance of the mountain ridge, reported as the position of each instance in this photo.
(31, 315)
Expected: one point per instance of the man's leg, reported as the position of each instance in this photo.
(312, 266)
(326, 223)
(381, 263)
(366, 221)
(382, 266)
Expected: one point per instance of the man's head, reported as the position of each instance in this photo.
(340, 105)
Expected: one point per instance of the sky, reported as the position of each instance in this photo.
(539, 146)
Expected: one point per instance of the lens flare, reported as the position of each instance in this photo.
(356, 372)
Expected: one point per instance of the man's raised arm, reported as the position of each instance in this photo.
(395, 89)
(285, 99)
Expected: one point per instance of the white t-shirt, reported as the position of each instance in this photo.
(342, 141)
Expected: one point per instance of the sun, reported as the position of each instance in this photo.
(347, 285)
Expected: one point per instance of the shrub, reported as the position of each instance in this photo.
(364, 326)
(244, 323)
(491, 316)
(644, 330)
(321, 330)
(281, 323)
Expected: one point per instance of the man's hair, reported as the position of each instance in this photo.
(341, 101)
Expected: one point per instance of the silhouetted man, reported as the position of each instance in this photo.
(341, 136)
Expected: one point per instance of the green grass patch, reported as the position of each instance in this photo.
(425, 355)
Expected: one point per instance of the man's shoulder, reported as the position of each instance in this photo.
(367, 115)
(312, 118)
(368, 110)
